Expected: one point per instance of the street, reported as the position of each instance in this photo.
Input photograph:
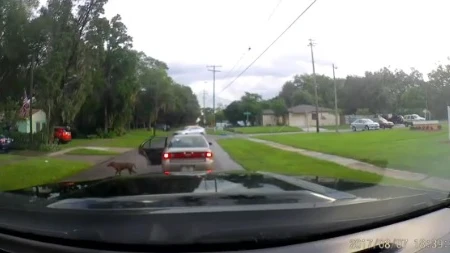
(222, 160)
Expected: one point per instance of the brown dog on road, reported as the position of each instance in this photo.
(122, 166)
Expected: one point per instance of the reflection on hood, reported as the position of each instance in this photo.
(217, 189)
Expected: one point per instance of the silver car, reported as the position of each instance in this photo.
(183, 153)
(364, 124)
(191, 130)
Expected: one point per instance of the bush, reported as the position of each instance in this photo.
(426, 127)
(49, 147)
(120, 131)
(22, 140)
(109, 135)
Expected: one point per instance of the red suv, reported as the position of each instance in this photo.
(62, 135)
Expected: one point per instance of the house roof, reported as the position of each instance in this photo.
(307, 109)
(299, 109)
(34, 111)
(268, 112)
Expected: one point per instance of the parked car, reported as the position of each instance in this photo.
(385, 123)
(162, 127)
(411, 118)
(5, 143)
(191, 130)
(184, 153)
(364, 124)
(62, 135)
(396, 119)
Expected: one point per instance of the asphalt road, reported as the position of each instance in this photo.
(222, 160)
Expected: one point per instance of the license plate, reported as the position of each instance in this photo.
(187, 168)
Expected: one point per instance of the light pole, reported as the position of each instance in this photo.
(335, 101)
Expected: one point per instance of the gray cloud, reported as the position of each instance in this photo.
(280, 67)
(272, 77)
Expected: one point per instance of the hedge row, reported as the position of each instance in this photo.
(22, 141)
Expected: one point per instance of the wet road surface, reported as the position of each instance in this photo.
(223, 162)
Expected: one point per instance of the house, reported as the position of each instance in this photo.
(301, 116)
(39, 120)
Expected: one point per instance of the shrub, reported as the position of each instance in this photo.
(22, 140)
(49, 147)
(120, 131)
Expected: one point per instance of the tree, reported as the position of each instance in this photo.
(86, 73)
(279, 108)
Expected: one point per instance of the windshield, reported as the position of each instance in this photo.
(188, 142)
(194, 107)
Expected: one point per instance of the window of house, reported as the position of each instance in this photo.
(38, 126)
(313, 116)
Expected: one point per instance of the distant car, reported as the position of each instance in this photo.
(364, 124)
(409, 119)
(184, 153)
(5, 143)
(62, 135)
(396, 119)
(163, 127)
(191, 130)
(385, 123)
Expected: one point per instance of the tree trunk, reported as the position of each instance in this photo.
(149, 127)
(105, 115)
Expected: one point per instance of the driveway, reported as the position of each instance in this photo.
(223, 162)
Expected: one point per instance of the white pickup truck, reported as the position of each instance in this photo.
(409, 119)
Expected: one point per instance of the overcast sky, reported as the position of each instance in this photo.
(356, 35)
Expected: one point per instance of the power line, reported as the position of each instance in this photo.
(249, 48)
(240, 59)
(271, 44)
(274, 10)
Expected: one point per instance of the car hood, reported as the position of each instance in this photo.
(204, 190)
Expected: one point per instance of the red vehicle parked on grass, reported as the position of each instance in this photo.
(62, 135)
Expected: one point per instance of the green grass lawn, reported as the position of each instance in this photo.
(131, 139)
(36, 171)
(217, 132)
(340, 127)
(417, 151)
(265, 129)
(6, 157)
(87, 151)
(259, 157)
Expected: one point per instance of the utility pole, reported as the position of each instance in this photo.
(214, 69)
(204, 107)
(31, 100)
(335, 101)
(311, 44)
(427, 115)
(204, 100)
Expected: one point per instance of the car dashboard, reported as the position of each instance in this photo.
(425, 234)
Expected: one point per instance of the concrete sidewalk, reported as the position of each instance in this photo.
(113, 149)
(423, 179)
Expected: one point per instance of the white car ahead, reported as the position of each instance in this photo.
(191, 130)
(364, 124)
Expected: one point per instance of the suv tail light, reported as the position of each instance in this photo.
(166, 156)
(208, 154)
